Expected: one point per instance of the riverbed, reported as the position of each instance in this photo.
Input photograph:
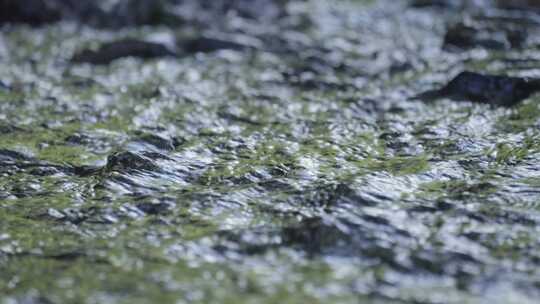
(291, 165)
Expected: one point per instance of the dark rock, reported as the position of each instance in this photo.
(155, 208)
(126, 161)
(208, 45)
(316, 236)
(490, 89)
(111, 51)
(517, 38)
(77, 139)
(178, 141)
(85, 170)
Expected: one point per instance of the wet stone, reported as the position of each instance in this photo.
(155, 208)
(85, 171)
(490, 89)
(111, 51)
(127, 161)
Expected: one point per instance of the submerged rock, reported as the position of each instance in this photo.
(111, 51)
(155, 207)
(208, 45)
(490, 89)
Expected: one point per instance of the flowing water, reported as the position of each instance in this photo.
(295, 171)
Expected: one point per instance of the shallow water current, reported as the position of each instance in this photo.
(296, 171)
